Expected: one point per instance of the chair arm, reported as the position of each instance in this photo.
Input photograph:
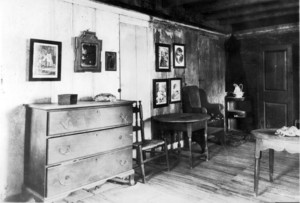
(214, 108)
(199, 110)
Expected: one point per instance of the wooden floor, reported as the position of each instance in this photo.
(226, 177)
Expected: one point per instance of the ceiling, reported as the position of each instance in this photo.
(227, 16)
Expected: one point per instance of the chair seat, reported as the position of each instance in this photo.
(149, 144)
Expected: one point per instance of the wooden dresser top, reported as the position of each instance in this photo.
(80, 104)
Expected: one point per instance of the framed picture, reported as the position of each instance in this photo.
(179, 55)
(44, 60)
(110, 61)
(175, 90)
(162, 55)
(160, 93)
(88, 53)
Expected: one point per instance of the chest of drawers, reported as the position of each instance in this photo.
(78, 146)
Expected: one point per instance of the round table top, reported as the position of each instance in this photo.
(182, 117)
(270, 135)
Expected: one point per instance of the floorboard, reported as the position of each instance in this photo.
(226, 177)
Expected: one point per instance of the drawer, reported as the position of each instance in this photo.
(67, 121)
(67, 177)
(84, 144)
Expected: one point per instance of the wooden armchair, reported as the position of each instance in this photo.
(194, 100)
(145, 148)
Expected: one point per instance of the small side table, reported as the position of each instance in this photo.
(186, 122)
(266, 139)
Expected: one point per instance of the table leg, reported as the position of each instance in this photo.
(271, 164)
(189, 134)
(179, 144)
(257, 166)
(205, 139)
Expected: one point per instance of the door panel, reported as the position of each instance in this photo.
(275, 70)
(277, 99)
(272, 110)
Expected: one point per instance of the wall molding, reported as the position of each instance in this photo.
(278, 29)
(175, 24)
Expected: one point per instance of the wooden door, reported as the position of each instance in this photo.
(278, 98)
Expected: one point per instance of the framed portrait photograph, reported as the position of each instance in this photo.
(179, 55)
(162, 55)
(175, 90)
(88, 52)
(44, 60)
(160, 93)
(110, 61)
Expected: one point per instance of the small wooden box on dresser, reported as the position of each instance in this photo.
(70, 147)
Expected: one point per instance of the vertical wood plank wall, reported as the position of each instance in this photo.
(205, 61)
(63, 20)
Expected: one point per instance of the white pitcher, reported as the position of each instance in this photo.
(238, 90)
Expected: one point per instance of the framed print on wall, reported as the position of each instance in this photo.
(162, 55)
(110, 61)
(179, 55)
(175, 90)
(160, 93)
(44, 60)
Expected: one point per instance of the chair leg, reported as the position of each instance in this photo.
(167, 155)
(141, 163)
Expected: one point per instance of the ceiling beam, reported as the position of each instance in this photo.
(251, 10)
(174, 3)
(261, 15)
(282, 20)
(230, 4)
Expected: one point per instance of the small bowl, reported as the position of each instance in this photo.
(239, 95)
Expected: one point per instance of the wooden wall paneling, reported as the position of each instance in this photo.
(144, 82)
(107, 30)
(128, 61)
(84, 18)
(192, 70)
(165, 35)
(63, 33)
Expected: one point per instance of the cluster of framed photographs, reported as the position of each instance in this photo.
(45, 57)
(166, 91)
(163, 56)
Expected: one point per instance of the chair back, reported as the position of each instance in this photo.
(191, 98)
(138, 123)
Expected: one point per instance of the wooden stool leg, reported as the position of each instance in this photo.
(141, 163)
(271, 164)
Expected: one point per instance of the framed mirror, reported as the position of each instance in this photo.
(88, 52)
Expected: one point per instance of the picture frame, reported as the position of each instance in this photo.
(88, 52)
(44, 60)
(179, 59)
(110, 61)
(175, 85)
(160, 93)
(163, 57)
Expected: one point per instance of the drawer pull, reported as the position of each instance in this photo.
(65, 181)
(64, 150)
(124, 118)
(123, 162)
